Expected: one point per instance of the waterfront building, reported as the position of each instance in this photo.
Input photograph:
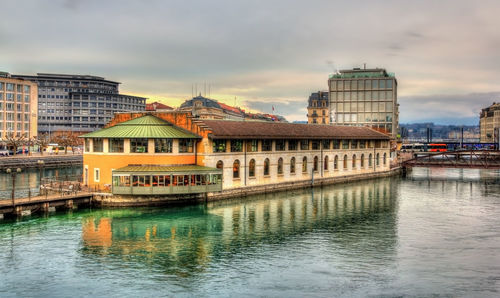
(174, 152)
(318, 111)
(79, 103)
(365, 97)
(206, 108)
(18, 107)
(489, 123)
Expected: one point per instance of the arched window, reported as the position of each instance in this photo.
(345, 162)
(354, 161)
(315, 164)
(304, 165)
(251, 168)
(292, 165)
(377, 161)
(370, 157)
(336, 163)
(362, 161)
(266, 167)
(385, 159)
(325, 165)
(236, 169)
(220, 165)
(280, 166)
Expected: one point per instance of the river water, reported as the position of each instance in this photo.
(435, 233)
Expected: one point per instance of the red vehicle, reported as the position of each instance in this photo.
(437, 148)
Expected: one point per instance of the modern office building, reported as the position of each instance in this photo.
(18, 107)
(318, 111)
(79, 103)
(365, 97)
(489, 123)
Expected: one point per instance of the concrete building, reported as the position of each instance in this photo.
(169, 153)
(79, 103)
(318, 108)
(206, 108)
(18, 107)
(365, 97)
(489, 123)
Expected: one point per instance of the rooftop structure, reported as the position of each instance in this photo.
(318, 108)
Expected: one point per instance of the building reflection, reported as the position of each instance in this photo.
(184, 241)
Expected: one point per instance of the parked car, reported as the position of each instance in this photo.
(5, 152)
(22, 151)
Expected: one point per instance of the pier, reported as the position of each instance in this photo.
(484, 159)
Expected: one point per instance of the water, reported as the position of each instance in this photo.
(29, 180)
(432, 234)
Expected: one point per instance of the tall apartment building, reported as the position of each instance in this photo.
(18, 107)
(79, 103)
(489, 123)
(365, 97)
(318, 108)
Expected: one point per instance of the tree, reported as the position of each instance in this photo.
(66, 140)
(42, 141)
(14, 141)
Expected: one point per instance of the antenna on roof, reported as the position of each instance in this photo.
(364, 65)
(205, 89)
(208, 89)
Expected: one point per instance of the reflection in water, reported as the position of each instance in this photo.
(28, 180)
(183, 241)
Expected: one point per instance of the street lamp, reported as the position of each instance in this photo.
(40, 167)
(14, 174)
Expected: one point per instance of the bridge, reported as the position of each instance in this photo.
(484, 159)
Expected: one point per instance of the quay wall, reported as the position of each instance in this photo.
(49, 161)
(109, 200)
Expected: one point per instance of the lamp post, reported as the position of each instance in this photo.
(40, 167)
(14, 174)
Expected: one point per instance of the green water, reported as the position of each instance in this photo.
(435, 233)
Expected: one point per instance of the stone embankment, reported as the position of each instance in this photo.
(46, 161)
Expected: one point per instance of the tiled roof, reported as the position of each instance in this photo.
(143, 127)
(223, 129)
(157, 106)
(158, 169)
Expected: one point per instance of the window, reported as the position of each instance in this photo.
(325, 165)
(354, 161)
(292, 165)
(362, 161)
(236, 145)
(252, 145)
(385, 159)
(185, 145)
(336, 163)
(345, 144)
(267, 145)
(219, 146)
(280, 145)
(377, 161)
(266, 167)
(354, 144)
(304, 144)
(362, 144)
(97, 145)
(96, 174)
(138, 145)
(87, 145)
(336, 144)
(315, 145)
(115, 145)
(345, 162)
(315, 164)
(304, 165)
(220, 165)
(326, 144)
(163, 145)
(292, 145)
(370, 160)
(280, 166)
(251, 168)
(236, 169)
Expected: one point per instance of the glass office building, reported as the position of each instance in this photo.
(365, 97)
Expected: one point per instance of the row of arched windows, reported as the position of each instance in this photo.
(354, 160)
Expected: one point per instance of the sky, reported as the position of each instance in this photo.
(259, 54)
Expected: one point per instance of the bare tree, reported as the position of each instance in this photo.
(14, 141)
(66, 140)
(42, 141)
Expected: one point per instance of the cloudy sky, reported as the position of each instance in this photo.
(259, 54)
